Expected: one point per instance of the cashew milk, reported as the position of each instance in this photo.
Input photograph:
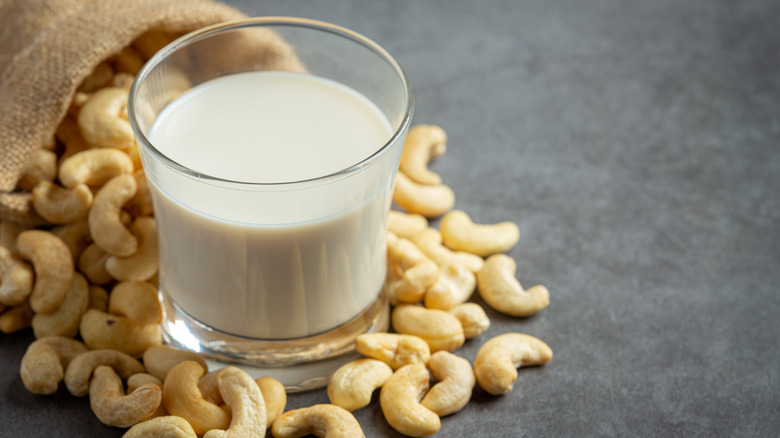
(286, 266)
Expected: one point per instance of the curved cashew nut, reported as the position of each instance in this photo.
(429, 201)
(323, 420)
(499, 288)
(101, 120)
(159, 359)
(98, 78)
(393, 349)
(141, 204)
(247, 406)
(41, 166)
(405, 224)
(53, 265)
(94, 167)
(410, 273)
(98, 298)
(75, 235)
(16, 318)
(60, 205)
(456, 380)
(430, 242)
(17, 279)
(275, 397)
(472, 317)
(498, 359)
(423, 142)
(128, 60)
(461, 234)
(110, 404)
(102, 330)
(43, 365)
(400, 402)
(439, 329)
(80, 369)
(137, 300)
(64, 321)
(143, 264)
(9, 232)
(169, 426)
(139, 379)
(105, 222)
(455, 285)
(182, 397)
(353, 383)
(92, 263)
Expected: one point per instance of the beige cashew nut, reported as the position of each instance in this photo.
(104, 217)
(182, 398)
(16, 279)
(429, 201)
(423, 142)
(472, 317)
(139, 379)
(243, 396)
(430, 242)
(455, 285)
(92, 263)
(275, 397)
(53, 265)
(80, 369)
(353, 383)
(159, 359)
(400, 402)
(461, 234)
(323, 420)
(439, 329)
(103, 330)
(456, 381)
(499, 288)
(498, 359)
(169, 426)
(138, 301)
(405, 224)
(59, 205)
(64, 321)
(110, 404)
(410, 273)
(42, 166)
(16, 318)
(75, 235)
(143, 264)
(393, 349)
(43, 365)
(94, 167)
(101, 120)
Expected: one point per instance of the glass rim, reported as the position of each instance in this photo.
(207, 31)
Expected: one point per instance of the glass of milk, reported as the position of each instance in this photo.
(270, 146)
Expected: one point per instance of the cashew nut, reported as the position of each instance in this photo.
(137, 301)
(122, 80)
(393, 349)
(102, 330)
(410, 273)
(455, 285)
(405, 224)
(98, 298)
(143, 264)
(353, 383)
(110, 404)
(105, 223)
(16, 279)
(275, 397)
(94, 167)
(98, 78)
(159, 359)
(101, 120)
(323, 420)
(461, 234)
(182, 397)
(149, 42)
(16, 318)
(128, 60)
(42, 166)
(400, 401)
(92, 262)
(64, 321)
(139, 379)
(429, 201)
(169, 426)
(498, 359)
(439, 329)
(43, 365)
(141, 204)
(80, 369)
(472, 317)
(9, 232)
(75, 235)
(243, 396)
(59, 205)
(499, 288)
(456, 380)
(53, 265)
(423, 142)
(430, 243)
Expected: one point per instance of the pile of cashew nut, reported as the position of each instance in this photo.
(86, 284)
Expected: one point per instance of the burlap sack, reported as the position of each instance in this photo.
(48, 47)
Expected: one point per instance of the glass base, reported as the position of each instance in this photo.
(300, 364)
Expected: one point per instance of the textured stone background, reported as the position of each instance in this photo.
(636, 144)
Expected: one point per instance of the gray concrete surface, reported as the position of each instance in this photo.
(636, 144)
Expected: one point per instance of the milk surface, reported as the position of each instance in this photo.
(271, 279)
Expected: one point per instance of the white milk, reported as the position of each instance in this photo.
(256, 269)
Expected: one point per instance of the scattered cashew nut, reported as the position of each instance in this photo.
(102, 330)
(75, 235)
(137, 300)
(353, 383)
(323, 420)
(105, 222)
(43, 365)
(430, 242)
(439, 329)
(110, 404)
(423, 142)
(16, 279)
(139, 379)
(405, 224)
(94, 167)
(159, 359)
(461, 234)
(456, 381)
(243, 396)
(41, 166)
(53, 265)
(499, 288)
(16, 318)
(498, 359)
(410, 273)
(393, 349)
(182, 397)
(92, 263)
(64, 321)
(400, 401)
(275, 397)
(101, 121)
(429, 201)
(455, 285)
(472, 317)
(80, 369)
(143, 264)
(169, 426)
(59, 205)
